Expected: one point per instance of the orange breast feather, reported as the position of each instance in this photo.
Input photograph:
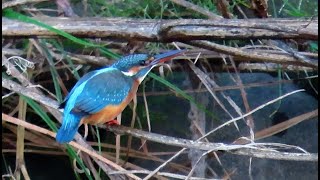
(110, 112)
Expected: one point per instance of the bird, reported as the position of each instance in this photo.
(101, 95)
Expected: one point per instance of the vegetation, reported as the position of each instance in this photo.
(184, 99)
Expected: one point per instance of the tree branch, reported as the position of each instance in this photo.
(249, 149)
(52, 106)
(85, 149)
(167, 30)
(252, 55)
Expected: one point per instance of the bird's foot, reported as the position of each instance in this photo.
(112, 122)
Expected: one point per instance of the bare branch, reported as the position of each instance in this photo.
(52, 106)
(197, 9)
(167, 30)
(267, 132)
(19, 2)
(278, 155)
(255, 56)
(177, 141)
(91, 152)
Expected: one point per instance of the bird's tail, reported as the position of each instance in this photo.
(68, 129)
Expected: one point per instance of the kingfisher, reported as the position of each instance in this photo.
(101, 95)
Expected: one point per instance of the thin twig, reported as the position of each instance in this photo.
(279, 127)
(258, 57)
(171, 175)
(50, 105)
(183, 142)
(72, 143)
(197, 9)
(315, 157)
(19, 2)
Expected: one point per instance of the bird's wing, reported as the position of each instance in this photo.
(103, 88)
(81, 80)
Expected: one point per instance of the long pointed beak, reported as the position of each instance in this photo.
(161, 58)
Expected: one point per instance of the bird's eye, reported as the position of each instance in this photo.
(142, 63)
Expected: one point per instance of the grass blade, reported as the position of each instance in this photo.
(9, 13)
(38, 109)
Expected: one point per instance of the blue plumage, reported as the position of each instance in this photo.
(127, 62)
(107, 86)
(92, 93)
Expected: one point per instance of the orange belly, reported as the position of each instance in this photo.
(110, 112)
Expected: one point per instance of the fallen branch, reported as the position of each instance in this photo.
(270, 67)
(248, 150)
(19, 2)
(52, 106)
(241, 150)
(267, 132)
(176, 141)
(192, 54)
(72, 143)
(167, 30)
(251, 55)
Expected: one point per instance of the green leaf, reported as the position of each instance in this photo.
(9, 13)
(53, 71)
(38, 109)
(313, 46)
(73, 154)
(68, 59)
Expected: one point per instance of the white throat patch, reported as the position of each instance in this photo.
(142, 78)
(130, 73)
